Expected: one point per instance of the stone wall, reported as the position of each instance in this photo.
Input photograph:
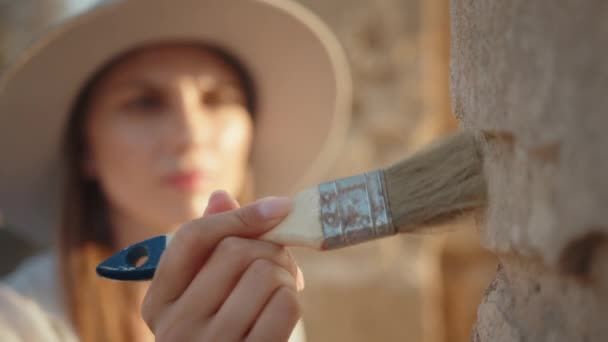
(532, 77)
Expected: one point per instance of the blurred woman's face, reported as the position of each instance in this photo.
(167, 126)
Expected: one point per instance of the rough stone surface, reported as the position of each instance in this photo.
(531, 76)
(534, 73)
(530, 302)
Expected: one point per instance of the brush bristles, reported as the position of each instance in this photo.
(437, 183)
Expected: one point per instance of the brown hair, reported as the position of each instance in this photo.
(100, 310)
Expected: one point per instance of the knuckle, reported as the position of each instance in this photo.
(187, 235)
(167, 333)
(154, 320)
(232, 247)
(243, 215)
(264, 268)
(249, 215)
(213, 333)
(290, 305)
(147, 312)
(272, 275)
(290, 261)
(242, 253)
(283, 260)
(172, 326)
(163, 335)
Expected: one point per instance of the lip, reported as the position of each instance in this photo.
(186, 180)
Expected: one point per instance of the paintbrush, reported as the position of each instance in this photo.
(434, 185)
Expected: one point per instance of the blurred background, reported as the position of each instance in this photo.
(406, 288)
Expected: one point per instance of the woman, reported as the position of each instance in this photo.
(121, 123)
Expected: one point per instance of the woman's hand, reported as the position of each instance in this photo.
(215, 283)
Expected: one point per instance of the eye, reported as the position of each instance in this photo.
(146, 102)
(222, 96)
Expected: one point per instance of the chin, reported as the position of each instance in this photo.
(179, 212)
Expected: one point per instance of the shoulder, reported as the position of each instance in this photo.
(30, 303)
(36, 278)
(22, 319)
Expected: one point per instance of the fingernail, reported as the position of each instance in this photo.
(211, 200)
(300, 280)
(216, 194)
(274, 207)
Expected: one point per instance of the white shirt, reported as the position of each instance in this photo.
(30, 304)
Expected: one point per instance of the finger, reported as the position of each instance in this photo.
(219, 276)
(278, 319)
(255, 289)
(195, 241)
(220, 201)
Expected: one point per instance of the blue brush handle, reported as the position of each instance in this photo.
(123, 265)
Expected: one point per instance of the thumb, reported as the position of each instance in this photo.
(253, 219)
(220, 201)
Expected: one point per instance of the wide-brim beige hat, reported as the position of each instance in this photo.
(299, 71)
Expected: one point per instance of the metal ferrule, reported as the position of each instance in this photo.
(354, 210)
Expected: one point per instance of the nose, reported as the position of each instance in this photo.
(191, 122)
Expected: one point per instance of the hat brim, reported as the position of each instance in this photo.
(298, 68)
